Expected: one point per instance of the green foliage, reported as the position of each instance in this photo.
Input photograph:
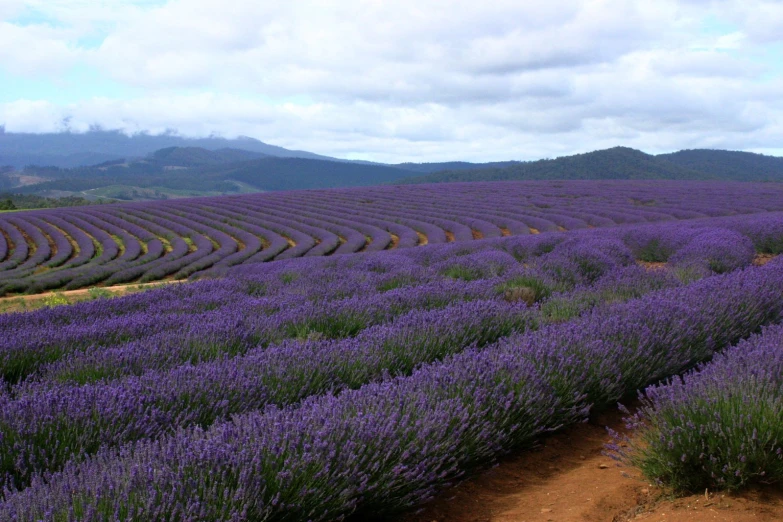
(539, 289)
(625, 163)
(99, 293)
(729, 165)
(289, 277)
(462, 272)
(56, 299)
(30, 201)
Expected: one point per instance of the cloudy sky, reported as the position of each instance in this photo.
(408, 80)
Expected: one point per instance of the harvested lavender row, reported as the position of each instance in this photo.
(326, 222)
(719, 427)
(391, 445)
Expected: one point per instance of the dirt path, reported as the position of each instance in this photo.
(25, 302)
(85, 291)
(568, 479)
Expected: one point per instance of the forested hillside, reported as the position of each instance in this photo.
(626, 163)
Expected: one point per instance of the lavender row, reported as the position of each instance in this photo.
(132, 342)
(312, 223)
(567, 262)
(47, 425)
(391, 445)
(719, 427)
(45, 415)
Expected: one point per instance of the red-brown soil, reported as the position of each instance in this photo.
(763, 259)
(569, 479)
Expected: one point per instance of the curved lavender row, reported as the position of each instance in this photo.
(132, 256)
(143, 234)
(63, 247)
(379, 238)
(86, 248)
(458, 225)
(454, 225)
(434, 234)
(350, 239)
(18, 280)
(42, 250)
(109, 247)
(302, 241)
(42, 430)
(226, 244)
(429, 209)
(201, 244)
(60, 277)
(310, 238)
(250, 243)
(4, 247)
(406, 235)
(718, 427)
(164, 264)
(391, 445)
(155, 250)
(130, 243)
(325, 236)
(276, 242)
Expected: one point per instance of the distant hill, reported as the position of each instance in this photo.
(615, 163)
(198, 157)
(193, 171)
(72, 149)
(452, 165)
(626, 163)
(727, 164)
(173, 172)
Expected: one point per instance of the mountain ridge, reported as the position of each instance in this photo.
(626, 163)
(73, 149)
(195, 171)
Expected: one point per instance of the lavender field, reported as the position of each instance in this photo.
(141, 242)
(359, 386)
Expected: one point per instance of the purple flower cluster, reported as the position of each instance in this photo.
(78, 247)
(719, 427)
(388, 444)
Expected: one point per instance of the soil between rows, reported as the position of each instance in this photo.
(567, 478)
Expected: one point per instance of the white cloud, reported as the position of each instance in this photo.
(415, 80)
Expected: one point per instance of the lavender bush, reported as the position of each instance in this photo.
(718, 427)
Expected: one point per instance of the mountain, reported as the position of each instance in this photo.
(452, 165)
(194, 171)
(727, 164)
(72, 149)
(614, 163)
(198, 157)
